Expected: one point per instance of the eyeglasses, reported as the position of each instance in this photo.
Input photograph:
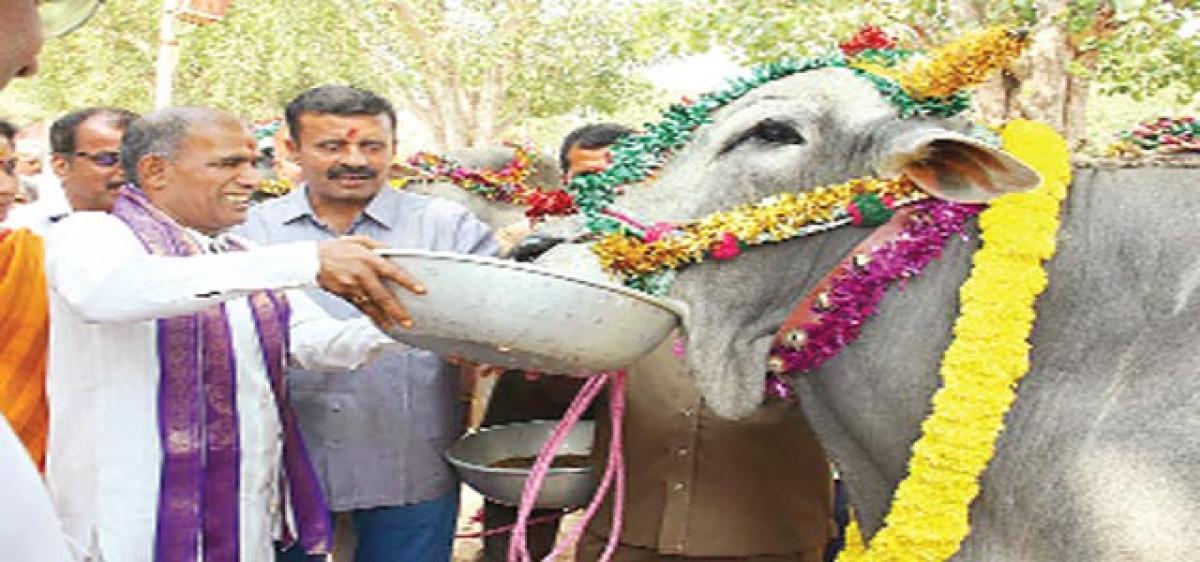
(106, 159)
(60, 17)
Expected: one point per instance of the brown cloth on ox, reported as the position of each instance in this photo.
(699, 486)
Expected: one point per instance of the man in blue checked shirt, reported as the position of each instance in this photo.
(376, 436)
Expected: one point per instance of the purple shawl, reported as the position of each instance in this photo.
(198, 501)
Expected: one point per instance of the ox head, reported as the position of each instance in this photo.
(814, 128)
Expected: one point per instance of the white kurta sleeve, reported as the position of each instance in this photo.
(318, 341)
(29, 530)
(97, 265)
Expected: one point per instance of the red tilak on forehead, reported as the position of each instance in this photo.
(352, 134)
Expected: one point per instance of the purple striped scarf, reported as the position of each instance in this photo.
(198, 497)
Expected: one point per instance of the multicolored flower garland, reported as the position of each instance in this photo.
(930, 512)
(776, 219)
(506, 185)
(908, 81)
(1165, 134)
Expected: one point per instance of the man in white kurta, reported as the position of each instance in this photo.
(29, 530)
(107, 293)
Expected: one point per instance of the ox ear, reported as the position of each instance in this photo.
(955, 167)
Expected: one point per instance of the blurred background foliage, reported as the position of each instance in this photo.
(468, 72)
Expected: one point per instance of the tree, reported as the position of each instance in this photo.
(469, 69)
(251, 62)
(472, 69)
(1130, 46)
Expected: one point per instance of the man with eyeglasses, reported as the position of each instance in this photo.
(29, 529)
(86, 158)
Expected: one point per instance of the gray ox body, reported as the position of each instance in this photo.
(1101, 456)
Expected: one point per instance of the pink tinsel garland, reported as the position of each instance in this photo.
(856, 290)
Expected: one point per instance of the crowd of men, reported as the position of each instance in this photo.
(203, 377)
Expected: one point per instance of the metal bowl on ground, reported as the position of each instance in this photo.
(523, 316)
(472, 454)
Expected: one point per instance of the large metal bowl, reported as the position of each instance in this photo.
(563, 487)
(527, 317)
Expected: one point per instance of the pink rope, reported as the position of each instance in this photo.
(624, 218)
(615, 468)
(507, 528)
(518, 549)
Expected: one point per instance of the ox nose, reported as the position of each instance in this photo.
(533, 246)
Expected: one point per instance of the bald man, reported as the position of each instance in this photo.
(172, 438)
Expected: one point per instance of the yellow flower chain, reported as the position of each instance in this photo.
(929, 516)
(777, 218)
(962, 64)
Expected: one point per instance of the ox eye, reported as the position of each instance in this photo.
(777, 132)
(767, 131)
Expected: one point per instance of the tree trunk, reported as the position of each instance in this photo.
(1050, 92)
(458, 113)
(168, 56)
(1039, 86)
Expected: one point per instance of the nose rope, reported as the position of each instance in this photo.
(518, 548)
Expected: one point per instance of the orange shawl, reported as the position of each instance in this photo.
(24, 337)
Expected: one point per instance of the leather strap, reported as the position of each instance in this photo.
(804, 312)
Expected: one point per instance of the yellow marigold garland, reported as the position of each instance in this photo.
(774, 219)
(963, 64)
(929, 516)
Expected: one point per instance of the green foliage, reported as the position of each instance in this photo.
(1135, 49)
(263, 53)
(1134, 46)
(552, 57)
(110, 62)
(574, 58)
(1148, 54)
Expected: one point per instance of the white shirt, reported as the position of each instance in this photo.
(28, 529)
(38, 216)
(104, 453)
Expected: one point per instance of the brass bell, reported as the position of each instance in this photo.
(795, 339)
(823, 302)
(861, 260)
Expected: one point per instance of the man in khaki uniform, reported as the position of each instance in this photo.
(702, 488)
